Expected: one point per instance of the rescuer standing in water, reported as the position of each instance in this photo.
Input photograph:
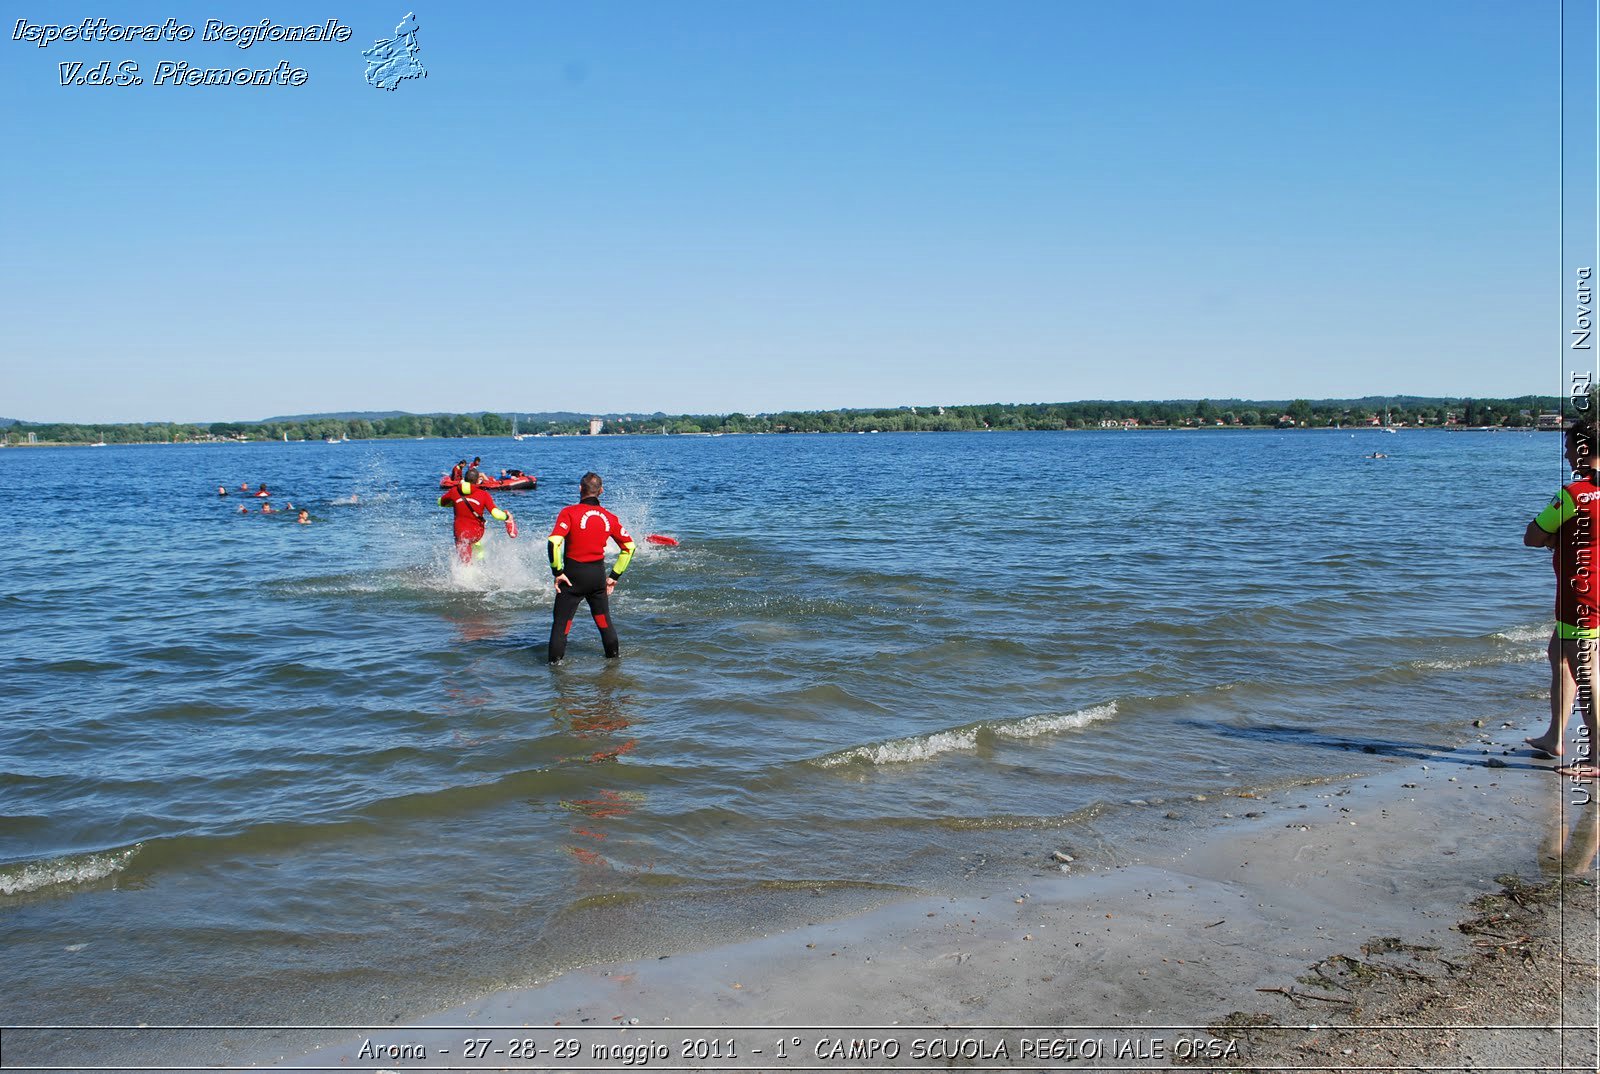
(577, 557)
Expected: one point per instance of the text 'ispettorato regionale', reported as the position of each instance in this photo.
(178, 72)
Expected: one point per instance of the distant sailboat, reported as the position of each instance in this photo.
(514, 434)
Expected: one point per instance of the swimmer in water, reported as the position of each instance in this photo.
(305, 517)
(266, 509)
(221, 491)
(262, 491)
(244, 486)
(243, 510)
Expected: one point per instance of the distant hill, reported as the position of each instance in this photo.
(343, 415)
(525, 417)
(6, 423)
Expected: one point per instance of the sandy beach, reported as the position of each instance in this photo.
(1382, 894)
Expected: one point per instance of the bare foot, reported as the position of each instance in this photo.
(1546, 745)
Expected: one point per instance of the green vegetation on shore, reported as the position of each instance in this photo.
(1520, 412)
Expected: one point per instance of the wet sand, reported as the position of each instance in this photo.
(1180, 952)
(1312, 910)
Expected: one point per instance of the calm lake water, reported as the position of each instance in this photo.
(255, 772)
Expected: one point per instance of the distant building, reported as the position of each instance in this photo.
(1548, 420)
(595, 425)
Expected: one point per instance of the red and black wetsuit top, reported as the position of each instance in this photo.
(584, 529)
(470, 509)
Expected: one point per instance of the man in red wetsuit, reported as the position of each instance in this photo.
(471, 505)
(1570, 528)
(577, 557)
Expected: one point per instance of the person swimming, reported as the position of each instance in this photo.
(221, 491)
(304, 518)
(243, 510)
(262, 491)
(266, 509)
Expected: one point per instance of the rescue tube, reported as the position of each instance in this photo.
(661, 539)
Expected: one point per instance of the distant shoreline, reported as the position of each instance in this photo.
(1373, 411)
(815, 432)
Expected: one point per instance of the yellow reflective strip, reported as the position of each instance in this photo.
(557, 558)
(624, 559)
(1569, 632)
(1562, 508)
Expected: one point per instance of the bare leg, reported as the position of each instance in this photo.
(1580, 662)
(1563, 691)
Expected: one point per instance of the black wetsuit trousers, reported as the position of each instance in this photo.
(588, 584)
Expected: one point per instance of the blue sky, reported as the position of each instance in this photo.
(711, 207)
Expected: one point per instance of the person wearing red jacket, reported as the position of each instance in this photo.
(472, 504)
(577, 557)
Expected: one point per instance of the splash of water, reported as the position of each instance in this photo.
(79, 869)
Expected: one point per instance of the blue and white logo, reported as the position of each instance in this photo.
(390, 62)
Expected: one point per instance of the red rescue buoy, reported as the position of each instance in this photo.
(656, 538)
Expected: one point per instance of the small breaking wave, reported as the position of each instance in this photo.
(1469, 663)
(1523, 635)
(915, 748)
(80, 869)
(1052, 722)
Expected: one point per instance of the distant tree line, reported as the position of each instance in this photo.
(1520, 412)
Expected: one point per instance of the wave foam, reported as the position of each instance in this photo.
(905, 750)
(1522, 635)
(926, 747)
(1468, 663)
(1052, 722)
(84, 869)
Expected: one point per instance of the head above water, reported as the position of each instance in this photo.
(590, 485)
(473, 477)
